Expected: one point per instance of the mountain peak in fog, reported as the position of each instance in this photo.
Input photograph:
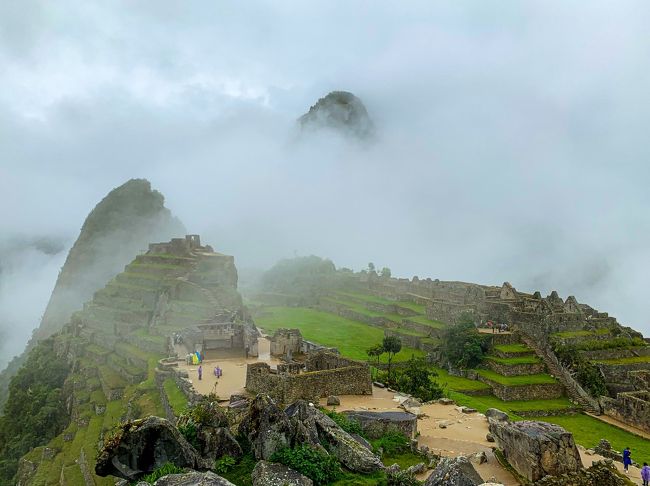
(341, 111)
(123, 223)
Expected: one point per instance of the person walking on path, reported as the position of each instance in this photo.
(627, 458)
(645, 474)
(200, 372)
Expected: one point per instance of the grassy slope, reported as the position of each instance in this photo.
(517, 380)
(350, 337)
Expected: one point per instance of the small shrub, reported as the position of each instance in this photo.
(401, 478)
(320, 468)
(351, 426)
(224, 464)
(392, 443)
(168, 468)
(189, 432)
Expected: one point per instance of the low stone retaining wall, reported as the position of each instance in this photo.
(508, 393)
(378, 424)
(630, 407)
(515, 369)
(618, 373)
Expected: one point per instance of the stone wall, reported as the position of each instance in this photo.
(525, 392)
(515, 369)
(327, 374)
(286, 341)
(378, 424)
(630, 407)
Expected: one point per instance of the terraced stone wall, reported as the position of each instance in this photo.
(544, 391)
(515, 369)
(630, 407)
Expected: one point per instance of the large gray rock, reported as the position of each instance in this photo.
(270, 474)
(454, 471)
(267, 427)
(377, 424)
(193, 479)
(536, 449)
(496, 414)
(314, 427)
(213, 435)
(141, 446)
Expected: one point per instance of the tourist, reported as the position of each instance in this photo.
(627, 458)
(216, 372)
(645, 474)
(200, 372)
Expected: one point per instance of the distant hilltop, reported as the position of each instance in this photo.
(342, 112)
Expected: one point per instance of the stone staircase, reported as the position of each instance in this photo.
(573, 388)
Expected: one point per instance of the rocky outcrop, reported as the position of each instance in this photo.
(270, 474)
(600, 473)
(141, 446)
(314, 427)
(536, 449)
(193, 479)
(340, 111)
(213, 434)
(454, 471)
(267, 427)
(376, 424)
(496, 414)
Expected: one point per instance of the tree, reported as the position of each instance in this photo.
(391, 345)
(375, 352)
(463, 345)
(385, 272)
(417, 379)
(371, 267)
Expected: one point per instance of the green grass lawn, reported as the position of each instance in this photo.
(588, 431)
(352, 338)
(177, 399)
(482, 403)
(514, 361)
(569, 334)
(513, 348)
(624, 361)
(539, 379)
(427, 322)
(457, 383)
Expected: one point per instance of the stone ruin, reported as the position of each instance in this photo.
(632, 407)
(221, 339)
(325, 374)
(180, 246)
(286, 342)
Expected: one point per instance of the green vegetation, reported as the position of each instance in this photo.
(35, 410)
(417, 378)
(319, 467)
(351, 426)
(240, 473)
(458, 383)
(463, 345)
(515, 361)
(224, 464)
(513, 348)
(426, 321)
(177, 399)
(391, 346)
(350, 337)
(522, 380)
(572, 334)
(618, 342)
(586, 373)
(483, 402)
(624, 361)
(164, 470)
(587, 431)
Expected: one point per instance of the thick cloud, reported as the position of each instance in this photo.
(511, 140)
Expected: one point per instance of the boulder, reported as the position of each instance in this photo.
(377, 424)
(418, 468)
(266, 426)
(468, 410)
(600, 473)
(536, 449)
(193, 479)
(496, 414)
(141, 446)
(454, 471)
(446, 401)
(489, 437)
(333, 400)
(271, 474)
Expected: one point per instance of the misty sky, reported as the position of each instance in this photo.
(512, 137)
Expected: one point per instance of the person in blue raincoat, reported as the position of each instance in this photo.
(627, 458)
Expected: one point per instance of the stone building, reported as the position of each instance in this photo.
(325, 374)
(286, 342)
